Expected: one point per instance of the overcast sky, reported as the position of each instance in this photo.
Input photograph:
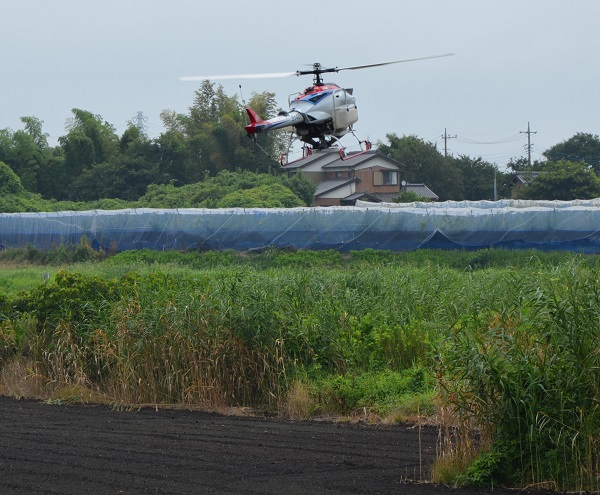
(516, 61)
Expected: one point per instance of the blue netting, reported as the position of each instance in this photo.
(571, 225)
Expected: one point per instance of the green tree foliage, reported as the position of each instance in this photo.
(563, 180)
(301, 187)
(90, 141)
(271, 196)
(9, 181)
(171, 152)
(422, 163)
(522, 165)
(28, 154)
(211, 192)
(477, 178)
(13, 196)
(582, 147)
(33, 127)
(27, 159)
(211, 137)
(127, 175)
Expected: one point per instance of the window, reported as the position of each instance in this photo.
(319, 96)
(385, 178)
(390, 178)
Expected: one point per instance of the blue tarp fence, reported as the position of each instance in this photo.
(545, 225)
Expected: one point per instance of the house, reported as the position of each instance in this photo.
(519, 180)
(369, 176)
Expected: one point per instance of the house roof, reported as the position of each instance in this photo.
(330, 160)
(324, 156)
(330, 185)
(420, 190)
(363, 196)
(356, 159)
(385, 197)
(524, 176)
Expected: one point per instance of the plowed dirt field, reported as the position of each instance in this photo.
(88, 449)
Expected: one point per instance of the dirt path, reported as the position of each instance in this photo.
(63, 450)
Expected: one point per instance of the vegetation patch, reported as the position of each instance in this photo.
(499, 348)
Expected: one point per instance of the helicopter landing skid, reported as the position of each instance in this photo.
(335, 143)
(367, 147)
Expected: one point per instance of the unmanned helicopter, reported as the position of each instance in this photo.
(319, 115)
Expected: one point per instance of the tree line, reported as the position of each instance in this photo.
(92, 163)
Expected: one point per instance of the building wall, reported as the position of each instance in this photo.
(332, 198)
(313, 177)
(367, 178)
(327, 201)
(516, 190)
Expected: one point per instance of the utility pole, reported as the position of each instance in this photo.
(446, 137)
(495, 187)
(529, 132)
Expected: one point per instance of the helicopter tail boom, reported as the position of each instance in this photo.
(257, 124)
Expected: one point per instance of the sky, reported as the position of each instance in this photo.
(516, 63)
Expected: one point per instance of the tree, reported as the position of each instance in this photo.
(9, 181)
(27, 153)
(301, 187)
(127, 175)
(563, 180)
(214, 138)
(582, 147)
(89, 141)
(171, 154)
(33, 127)
(477, 177)
(522, 165)
(422, 163)
(26, 160)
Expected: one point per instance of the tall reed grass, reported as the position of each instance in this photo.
(233, 335)
(521, 381)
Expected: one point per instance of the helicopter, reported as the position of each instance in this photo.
(319, 115)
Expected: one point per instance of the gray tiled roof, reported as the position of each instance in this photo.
(331, 160)
(330, 185)
(525, 176)
(421, 190)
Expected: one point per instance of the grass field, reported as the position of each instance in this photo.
(500, 348)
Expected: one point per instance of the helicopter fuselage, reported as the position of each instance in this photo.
(319, 112)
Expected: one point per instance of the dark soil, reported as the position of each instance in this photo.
(83, 449)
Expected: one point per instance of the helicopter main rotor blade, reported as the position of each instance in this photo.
(393, 62)
(315, 70)
(268, 75)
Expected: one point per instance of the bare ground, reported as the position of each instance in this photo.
(90, 449)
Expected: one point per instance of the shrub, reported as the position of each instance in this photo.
(9, 181)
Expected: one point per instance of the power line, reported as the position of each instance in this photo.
(509, 139)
